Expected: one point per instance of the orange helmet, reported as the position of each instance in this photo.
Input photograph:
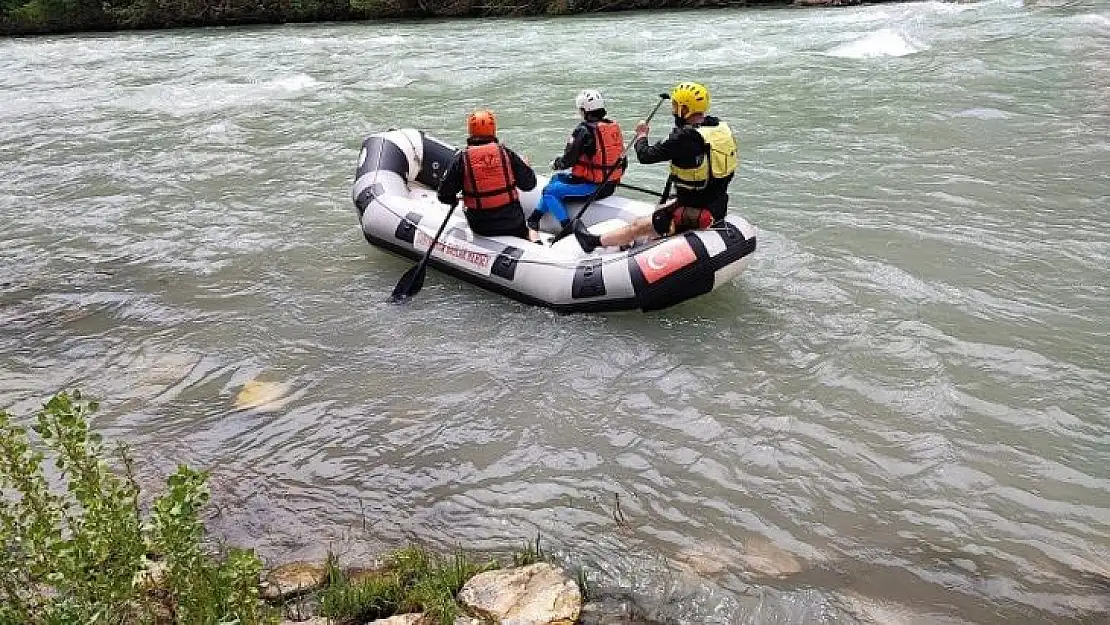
(481, 123)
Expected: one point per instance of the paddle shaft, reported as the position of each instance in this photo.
(657, 194)
(435, 239)
(416, 275)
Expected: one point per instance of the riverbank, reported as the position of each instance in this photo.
(82, 545)
(414, 586)
(41, 17)
(85, 545)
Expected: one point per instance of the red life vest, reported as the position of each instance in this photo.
(488, 181)
(608, 145)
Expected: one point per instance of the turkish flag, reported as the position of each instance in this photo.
(662, 260)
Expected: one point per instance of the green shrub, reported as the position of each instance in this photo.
(75, 553)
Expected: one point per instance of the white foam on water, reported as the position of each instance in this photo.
(223, 132)
(1100, 21)
(652, 35)
(881, 43)
(215, 95)
(950, 8)
(982, 113)
(297, 82)
(396, 79)
(740, 52)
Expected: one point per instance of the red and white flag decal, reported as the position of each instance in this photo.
(664, 259)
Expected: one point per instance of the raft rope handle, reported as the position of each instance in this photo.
(501, 254)
(522, 261)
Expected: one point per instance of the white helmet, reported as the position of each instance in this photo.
(589, 100)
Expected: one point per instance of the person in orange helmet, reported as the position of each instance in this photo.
(488, 174)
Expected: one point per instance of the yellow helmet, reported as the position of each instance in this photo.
(688, 98)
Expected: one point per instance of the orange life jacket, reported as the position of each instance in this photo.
(488, 181)
(608, 145)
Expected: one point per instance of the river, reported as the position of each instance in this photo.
(899, 413)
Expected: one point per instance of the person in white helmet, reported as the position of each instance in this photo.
(593, 156)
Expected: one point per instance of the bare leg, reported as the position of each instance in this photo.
(627, 234)
(533, 235)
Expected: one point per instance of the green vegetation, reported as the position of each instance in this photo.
(78, 552)
(530, 553)
(77, 547)
(412, 580)
(55, 16)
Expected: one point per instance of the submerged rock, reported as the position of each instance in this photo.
(539, 594)
(262, 396)
(758, 557)
(762, 557)
(701, 560)
(875, 611)
(291, 579)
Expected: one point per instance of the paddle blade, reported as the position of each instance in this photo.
(409, 284)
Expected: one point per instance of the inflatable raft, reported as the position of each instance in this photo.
(394, 194)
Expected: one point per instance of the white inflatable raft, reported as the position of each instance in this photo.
(394, 193)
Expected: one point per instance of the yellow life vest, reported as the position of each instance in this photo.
(720, 147)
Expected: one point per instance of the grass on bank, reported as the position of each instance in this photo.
(412, 580)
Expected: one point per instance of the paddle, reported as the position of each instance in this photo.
(641, 189)
(413, 280)
(663, 97)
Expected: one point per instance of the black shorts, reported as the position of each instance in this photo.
(521, 231)
(673, 219)
(507, 221)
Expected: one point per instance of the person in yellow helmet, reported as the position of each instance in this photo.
(703, 157)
